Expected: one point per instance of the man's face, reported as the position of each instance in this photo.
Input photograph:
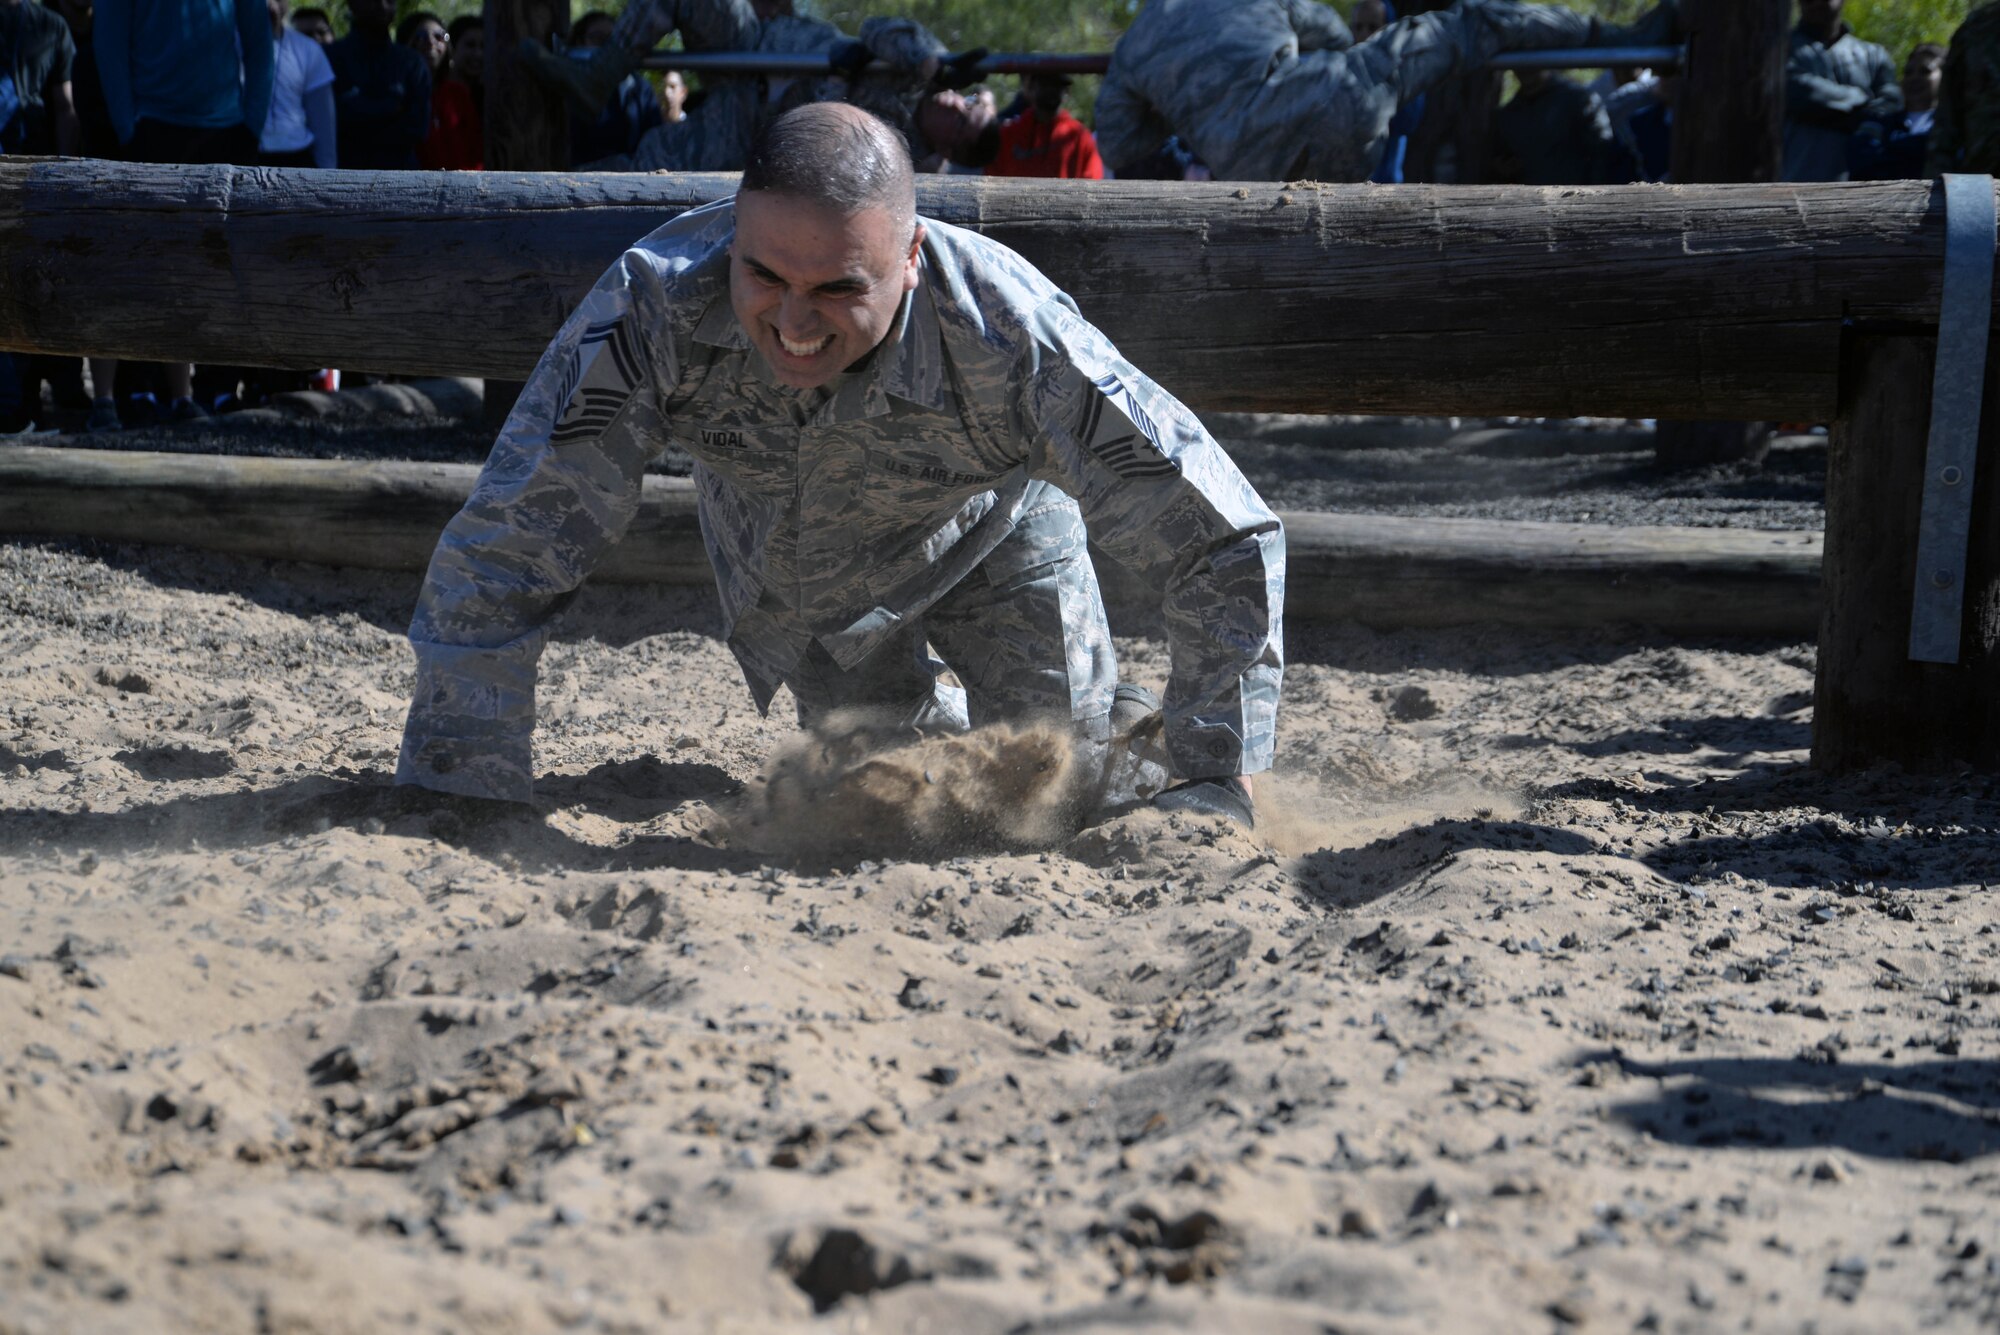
(814, 288)
(594, 34)
(1820, 13)
(1045, 93)
(373, 15)
(674, 93)
(468, 55)
(1370, 17)
(1922, 77)
(315, 27)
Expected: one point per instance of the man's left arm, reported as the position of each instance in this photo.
(417, 104)
(1885, 92)
(253, 29)
(57, 97)
(1159, 494)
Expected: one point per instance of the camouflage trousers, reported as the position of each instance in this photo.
(1337, 104)
(1025, 635)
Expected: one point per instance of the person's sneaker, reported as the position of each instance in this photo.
(1210, 797)
(186, 410)
(103, 416)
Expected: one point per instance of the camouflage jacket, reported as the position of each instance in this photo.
(839, 516)
(1966, 134)
(1207, 70)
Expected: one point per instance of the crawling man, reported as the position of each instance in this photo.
(901, 433)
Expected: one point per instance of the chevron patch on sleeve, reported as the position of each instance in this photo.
(1116, 428)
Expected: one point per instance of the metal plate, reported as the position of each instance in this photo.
(1937, 607)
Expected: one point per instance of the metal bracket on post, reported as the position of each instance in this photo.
(1957, 385)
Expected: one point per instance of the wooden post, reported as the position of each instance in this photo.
(527, 124)
(1728, 127)
(1872, 705)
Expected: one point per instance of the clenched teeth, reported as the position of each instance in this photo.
(811, 349)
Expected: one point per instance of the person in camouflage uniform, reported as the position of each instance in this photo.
(900, 430)
(715, 135)
(1277, 90)
(1966, 134)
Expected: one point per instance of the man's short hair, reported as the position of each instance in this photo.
(310, 12)
(836, 155)
(1929, 51)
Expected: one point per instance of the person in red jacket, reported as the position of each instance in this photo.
(1045, 140)
(457, 141)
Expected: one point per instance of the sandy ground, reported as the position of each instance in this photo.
(1553, 992)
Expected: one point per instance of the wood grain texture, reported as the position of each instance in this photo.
(1667, 301)
(1378, 569)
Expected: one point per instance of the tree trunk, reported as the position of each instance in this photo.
(1728, 126)
(1695, 301)
(527, 126)
(1873, 704)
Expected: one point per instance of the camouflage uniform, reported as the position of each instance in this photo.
(1965, 137)
(924, 497)
(715, 135)
(1275, 90)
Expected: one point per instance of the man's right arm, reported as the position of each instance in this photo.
(562, 483)
(112, 44)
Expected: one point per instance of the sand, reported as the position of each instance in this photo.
(1553, 992)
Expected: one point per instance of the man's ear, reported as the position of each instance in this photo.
(910, 266)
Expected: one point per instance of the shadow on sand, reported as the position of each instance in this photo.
(1939, 1110)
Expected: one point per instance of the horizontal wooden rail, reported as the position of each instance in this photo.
(1721, 301)
(1378, 569)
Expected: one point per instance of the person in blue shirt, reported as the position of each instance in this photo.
(185, 81)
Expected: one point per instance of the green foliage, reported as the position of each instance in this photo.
(1902, 24)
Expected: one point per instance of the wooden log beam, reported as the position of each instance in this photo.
(1378, 569)
(1667, 301)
